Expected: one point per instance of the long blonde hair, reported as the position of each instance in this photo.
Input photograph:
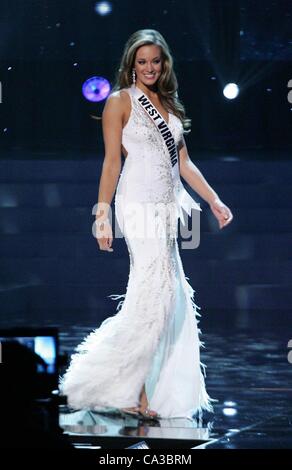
(166, 84)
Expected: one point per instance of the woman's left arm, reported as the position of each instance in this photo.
(192, 175)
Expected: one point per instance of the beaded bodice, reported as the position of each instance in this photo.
(146, 174)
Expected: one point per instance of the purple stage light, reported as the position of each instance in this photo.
(96, 89)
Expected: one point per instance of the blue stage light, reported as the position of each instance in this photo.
(103, 8)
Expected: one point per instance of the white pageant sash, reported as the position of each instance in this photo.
(182, 197)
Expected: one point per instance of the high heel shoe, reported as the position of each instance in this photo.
(146, 415)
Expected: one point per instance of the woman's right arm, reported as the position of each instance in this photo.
(112, 123)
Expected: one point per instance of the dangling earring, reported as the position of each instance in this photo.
(133, 76)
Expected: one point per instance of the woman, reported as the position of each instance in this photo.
(145, 359)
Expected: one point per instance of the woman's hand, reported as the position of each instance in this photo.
(222, 213)
(104, 235)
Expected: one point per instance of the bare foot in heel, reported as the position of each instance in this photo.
(132, 411)
(144, 409)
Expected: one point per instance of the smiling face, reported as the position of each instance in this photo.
(148, 65)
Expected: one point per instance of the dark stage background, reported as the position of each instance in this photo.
(52, 272)
(48, 48)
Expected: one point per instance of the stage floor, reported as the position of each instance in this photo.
(247, 372)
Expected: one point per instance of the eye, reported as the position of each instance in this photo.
(141, 62)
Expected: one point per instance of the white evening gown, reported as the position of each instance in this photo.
(153, 337)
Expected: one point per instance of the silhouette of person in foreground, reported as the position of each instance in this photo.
(24, 422)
